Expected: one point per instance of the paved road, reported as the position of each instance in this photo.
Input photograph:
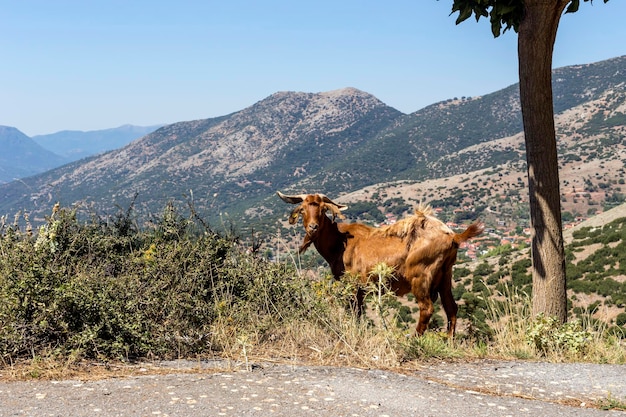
(483, 388)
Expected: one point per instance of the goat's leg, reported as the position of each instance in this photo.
(450, 307)
(447, 299)
(425, 304)
(420, 287)
(360, 302)
(426, 311)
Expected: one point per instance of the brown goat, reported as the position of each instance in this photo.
(420, 248)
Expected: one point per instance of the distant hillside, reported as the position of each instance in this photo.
(465, 156)
(20, 156)
(240, 157)
(597, 221)
(74, 144)
(595, 264)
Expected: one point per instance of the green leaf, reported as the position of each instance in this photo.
(480, 11)
(496, 24)
(495, 28)
(464, 14)
(573, 6)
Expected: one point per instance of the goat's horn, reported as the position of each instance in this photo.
(291, 199)
(340, 207)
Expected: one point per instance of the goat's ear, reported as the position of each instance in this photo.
(335, 210)
(329, 201)
(291, 199)
(295, 213)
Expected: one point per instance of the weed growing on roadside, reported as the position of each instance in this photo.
(611, 403)
(547, 335)
(520, 335)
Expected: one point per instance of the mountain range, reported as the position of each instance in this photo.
(75, 144)
(464, 152)
(25, 156)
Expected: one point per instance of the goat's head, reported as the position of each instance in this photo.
(312, 208)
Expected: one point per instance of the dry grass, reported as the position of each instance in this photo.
(331, 336)
(585, 340)
(344, 343)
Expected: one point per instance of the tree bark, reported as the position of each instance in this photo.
(536, 37)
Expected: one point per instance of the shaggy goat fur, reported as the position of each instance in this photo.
(420, 248)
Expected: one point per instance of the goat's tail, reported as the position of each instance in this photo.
(472, 230)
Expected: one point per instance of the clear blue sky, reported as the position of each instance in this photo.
(97, 64)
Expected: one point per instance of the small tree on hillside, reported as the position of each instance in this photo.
(536, 22)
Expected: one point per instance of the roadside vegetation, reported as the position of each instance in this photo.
(106, 291)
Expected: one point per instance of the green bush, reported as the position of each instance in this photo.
(473, 309)
(519, 273)
(460, 272)
(547, 335)
(105, 289)
(483, 269)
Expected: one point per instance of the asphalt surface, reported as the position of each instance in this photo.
(480, 388)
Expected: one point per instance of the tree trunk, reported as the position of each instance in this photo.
(537, 33)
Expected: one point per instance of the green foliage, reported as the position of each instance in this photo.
(596, 272)
(473, 309)
(501, 250)
(519, 273)
(108, 289)
(397, 206)
(458, 291)
(507, 13)
(460, 272)
(494, 278)
(430, 345)
(548, 335)
(366, 211)
(405, 317)
(611, 403)
(483, 269)
(567, 217)
(103, 289)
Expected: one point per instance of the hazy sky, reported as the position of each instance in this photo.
(97, 64)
